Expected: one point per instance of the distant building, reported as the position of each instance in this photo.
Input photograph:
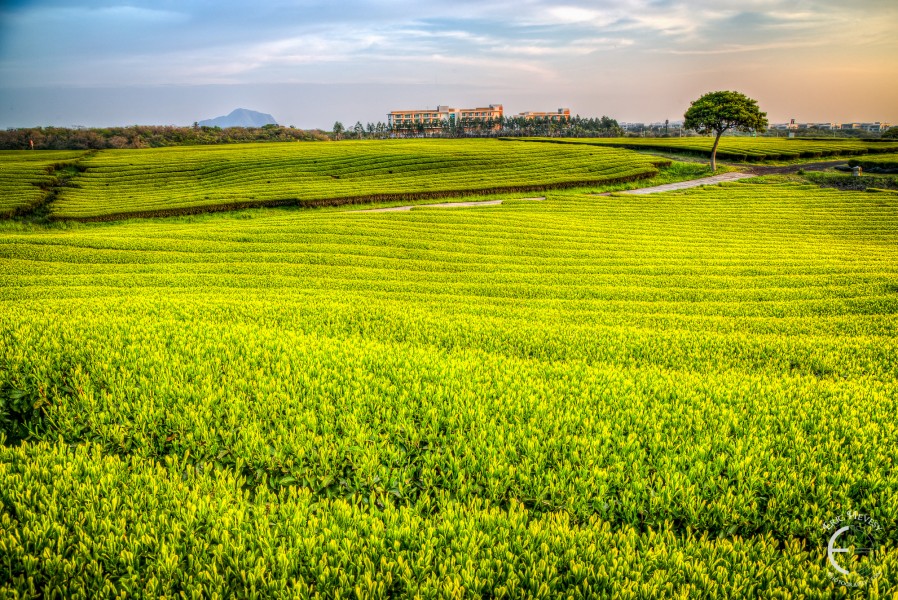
(431, 119)
(876, 127)
(559, 115)
(824, 126)
(790, 126)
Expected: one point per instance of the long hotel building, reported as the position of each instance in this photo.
(562, 114)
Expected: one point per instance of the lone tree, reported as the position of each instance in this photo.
(716, 112)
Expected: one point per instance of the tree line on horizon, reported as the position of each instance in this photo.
(148, 136)
(155, 136)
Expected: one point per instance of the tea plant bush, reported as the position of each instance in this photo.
(195, 179)
(738, 148)
(25, 175)
(166, 530)
(623, 396)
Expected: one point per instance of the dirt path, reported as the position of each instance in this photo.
(750, 171)
(683, 185)
(444, 205)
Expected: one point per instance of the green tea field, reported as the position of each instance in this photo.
(739, 148)
(24, 177)
(662, 396)
(187, 179)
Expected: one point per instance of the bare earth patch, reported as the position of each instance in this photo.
(445, 205)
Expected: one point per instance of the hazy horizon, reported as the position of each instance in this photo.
(106, 63)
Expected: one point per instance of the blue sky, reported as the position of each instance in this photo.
(94, 62)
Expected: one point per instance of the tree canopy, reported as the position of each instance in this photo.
(147, 136)
(717, 112)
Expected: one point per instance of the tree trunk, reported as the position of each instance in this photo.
(714, 152)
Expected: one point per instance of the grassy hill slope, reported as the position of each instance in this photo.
(180, 180)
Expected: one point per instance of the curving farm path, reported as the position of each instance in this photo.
(682, 185)
(750, 171)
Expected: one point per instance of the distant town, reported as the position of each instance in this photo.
(430, 120)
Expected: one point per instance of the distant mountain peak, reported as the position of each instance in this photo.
(240, 117)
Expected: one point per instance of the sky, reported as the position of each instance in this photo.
(310, 63)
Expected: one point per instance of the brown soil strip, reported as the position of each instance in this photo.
(684, 185)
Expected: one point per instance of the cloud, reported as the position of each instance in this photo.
(566, 15)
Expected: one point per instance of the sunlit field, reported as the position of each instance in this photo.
(628, 396)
